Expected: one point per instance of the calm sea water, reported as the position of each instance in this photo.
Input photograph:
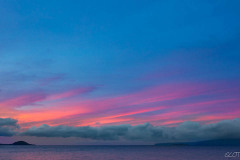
(115, 153)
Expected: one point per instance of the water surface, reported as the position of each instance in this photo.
(115, 152)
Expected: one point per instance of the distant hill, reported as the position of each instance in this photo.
(18, 143)
(216, 142)
(21, 143)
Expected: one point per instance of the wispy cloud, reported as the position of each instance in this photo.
(168, 104)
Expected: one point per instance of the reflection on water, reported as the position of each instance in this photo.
(114, 152)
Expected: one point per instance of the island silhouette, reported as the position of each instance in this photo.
(18, 143)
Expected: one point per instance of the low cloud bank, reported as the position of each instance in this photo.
(8, 126)
(187, 131)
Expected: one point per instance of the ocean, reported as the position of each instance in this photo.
(8, 152)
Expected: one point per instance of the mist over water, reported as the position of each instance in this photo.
(115, 152)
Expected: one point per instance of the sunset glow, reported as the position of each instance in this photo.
(99, 67)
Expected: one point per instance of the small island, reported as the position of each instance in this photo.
(18, 143)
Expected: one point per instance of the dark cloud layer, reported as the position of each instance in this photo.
(187, 131)
(8, 126)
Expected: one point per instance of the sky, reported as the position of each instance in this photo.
(97, 72)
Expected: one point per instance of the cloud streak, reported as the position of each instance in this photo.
(170, 104)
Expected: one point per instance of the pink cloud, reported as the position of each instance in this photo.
(70, 93)
(23, 100)
(134, 108)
